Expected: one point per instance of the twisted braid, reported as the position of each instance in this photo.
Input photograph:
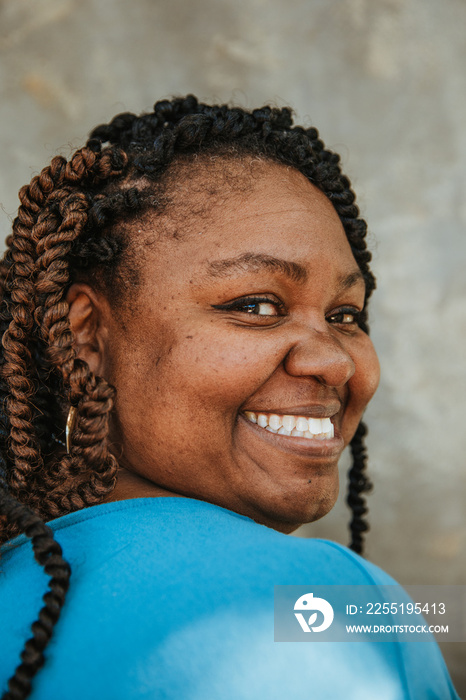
(67, 230)
(16, 342)
(358, 485)
(39, 359)
(45, 237)
(48, 554)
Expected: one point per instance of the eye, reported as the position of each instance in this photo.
(254, 306)
(259, 308)
(345, 317)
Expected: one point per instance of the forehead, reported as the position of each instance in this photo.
(237, 208)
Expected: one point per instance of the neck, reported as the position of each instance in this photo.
(131, 485)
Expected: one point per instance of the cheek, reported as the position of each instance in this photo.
(223, 372)
(368, 370)
(362, 385)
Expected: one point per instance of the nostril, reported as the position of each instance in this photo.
(323, 357)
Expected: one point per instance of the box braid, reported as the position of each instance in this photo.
(67, 229)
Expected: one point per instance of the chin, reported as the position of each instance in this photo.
(286, 513)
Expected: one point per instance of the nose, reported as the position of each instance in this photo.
(320, 355)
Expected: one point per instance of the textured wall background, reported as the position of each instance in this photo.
(384, 81)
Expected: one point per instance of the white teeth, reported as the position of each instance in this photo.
(296, 426)
(275, 421)
(262, 420)
(326, 425)
(302, 424)
(251, 416)
(289, 422)
(315, 425)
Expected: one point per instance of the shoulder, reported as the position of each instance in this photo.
(194, 539)
(171, 595)
(133, 553)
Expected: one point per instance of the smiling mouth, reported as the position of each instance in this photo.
(293, 426)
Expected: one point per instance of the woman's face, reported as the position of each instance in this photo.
(243, 328)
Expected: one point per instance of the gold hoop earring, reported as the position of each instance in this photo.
(70, 423)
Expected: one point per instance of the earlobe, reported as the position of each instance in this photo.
(85, 317)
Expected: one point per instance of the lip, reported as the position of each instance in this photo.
(309, 411)
(325, 449)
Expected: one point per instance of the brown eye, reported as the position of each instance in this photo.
(345, 317)
(254, 306)
(262, 308)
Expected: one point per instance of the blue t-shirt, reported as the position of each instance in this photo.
(172, 599)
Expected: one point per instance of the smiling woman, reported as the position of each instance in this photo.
(185, 358)
(257, 316)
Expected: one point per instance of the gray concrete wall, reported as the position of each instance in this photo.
(384, 81)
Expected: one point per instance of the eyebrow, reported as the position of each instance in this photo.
(254, 262)
(348, 281)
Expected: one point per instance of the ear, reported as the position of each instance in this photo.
(87, 317)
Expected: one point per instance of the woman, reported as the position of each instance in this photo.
(186, 351)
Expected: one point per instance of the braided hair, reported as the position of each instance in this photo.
(68, 228)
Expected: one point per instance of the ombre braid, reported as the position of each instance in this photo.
(67, 229)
